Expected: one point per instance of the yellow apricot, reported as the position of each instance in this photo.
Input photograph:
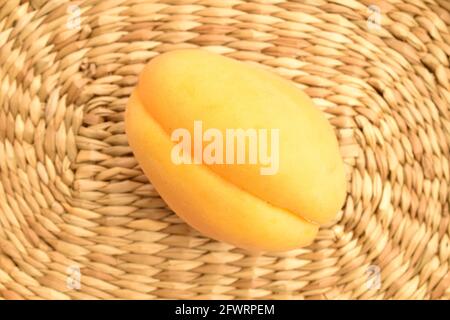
(236, 202)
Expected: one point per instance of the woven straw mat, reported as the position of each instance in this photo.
(79, 220)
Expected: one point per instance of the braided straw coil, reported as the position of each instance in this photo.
(75, 203)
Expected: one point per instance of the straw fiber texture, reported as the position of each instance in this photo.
(72, 196)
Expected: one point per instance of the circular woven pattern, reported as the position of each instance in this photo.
(75, 205)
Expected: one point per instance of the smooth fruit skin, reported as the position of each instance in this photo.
(235, 203)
